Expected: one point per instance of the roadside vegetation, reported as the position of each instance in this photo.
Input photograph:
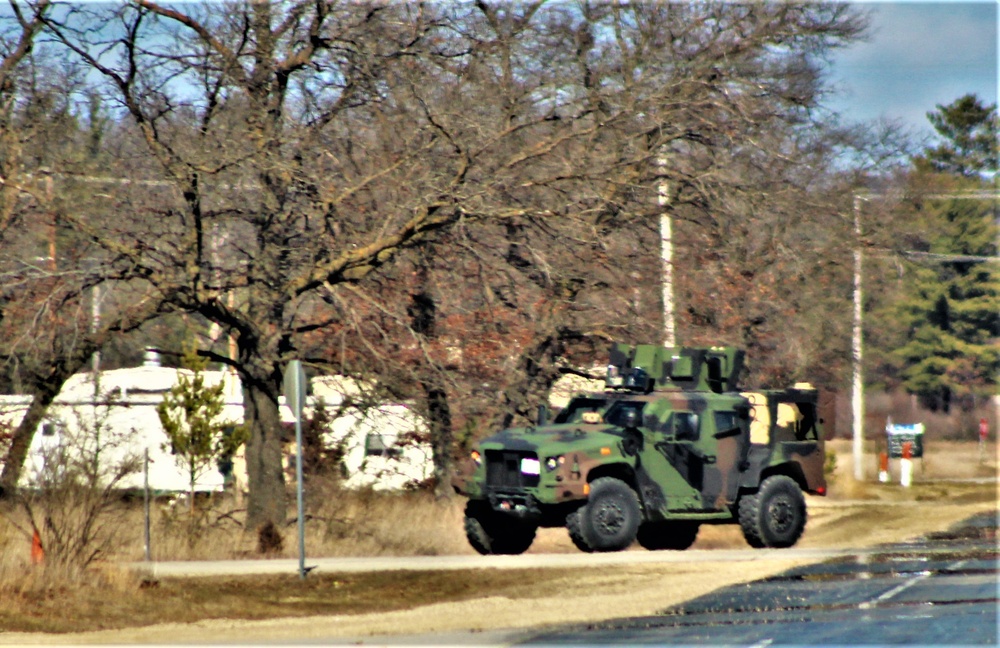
(48, 598)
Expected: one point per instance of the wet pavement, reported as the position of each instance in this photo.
(942, 589)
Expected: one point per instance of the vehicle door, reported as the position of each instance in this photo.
(691, 447)
(658, 485)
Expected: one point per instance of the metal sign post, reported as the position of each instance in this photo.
(145, 505)
(295, 396)
(984, 434)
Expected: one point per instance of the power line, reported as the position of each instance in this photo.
(949, 258)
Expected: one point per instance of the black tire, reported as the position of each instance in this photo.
(775, 516)
(576, 533)
(748, 514)
(676, 536)
(610, 519)
(490, 532)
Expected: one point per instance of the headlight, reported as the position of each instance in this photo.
(477, 458)
(530, 466)
(551, 463)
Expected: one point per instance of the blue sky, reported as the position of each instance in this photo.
(919, 54)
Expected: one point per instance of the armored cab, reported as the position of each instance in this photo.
(672, 443)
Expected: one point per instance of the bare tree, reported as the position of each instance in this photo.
(305, 146)
(17, 38)
(302, 147)
(45, 315)
(717, 103)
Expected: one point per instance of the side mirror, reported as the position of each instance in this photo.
(543, 416)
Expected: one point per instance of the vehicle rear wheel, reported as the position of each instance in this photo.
(678, 535)
(776, 515)
(610, 519)
(490, 532)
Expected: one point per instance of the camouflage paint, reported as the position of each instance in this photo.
(716, 369)
(732, 441)
(793, 442)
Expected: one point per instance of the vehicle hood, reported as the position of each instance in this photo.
(554, 439)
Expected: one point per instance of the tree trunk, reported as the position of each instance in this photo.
(266, 500)
(21, 440)
(44, 391)
(439, 415)
(423, 318)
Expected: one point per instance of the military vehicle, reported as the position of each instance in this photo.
(671, 444)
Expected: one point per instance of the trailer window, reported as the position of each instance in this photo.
(377, 445)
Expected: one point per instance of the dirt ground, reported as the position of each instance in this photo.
(858, 516)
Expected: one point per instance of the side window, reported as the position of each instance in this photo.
(685, 426)
(726, 424)
(807, 430)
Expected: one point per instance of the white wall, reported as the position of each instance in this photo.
(133, 419)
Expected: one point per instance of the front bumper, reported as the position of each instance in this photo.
(518, 503)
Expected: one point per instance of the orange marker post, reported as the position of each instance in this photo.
(883, 467)
(37, 551)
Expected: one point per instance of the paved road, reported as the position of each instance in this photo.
(939, 591)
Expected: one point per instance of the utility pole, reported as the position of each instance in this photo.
(666, 255)
(95, 325)
(857, 383)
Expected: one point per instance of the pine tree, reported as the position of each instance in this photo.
(970, 131)
(191, 417)
(952, 312)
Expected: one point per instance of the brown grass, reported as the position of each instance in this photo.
(942, 460)
(366, 523)
(91, 607)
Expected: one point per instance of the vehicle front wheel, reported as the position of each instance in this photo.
(677, 536)
(490, 532)
(576, 532)
(775, 515)
(610, 519)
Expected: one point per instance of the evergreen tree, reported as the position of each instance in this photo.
(952, 311)
(191, 417)
(969, 130)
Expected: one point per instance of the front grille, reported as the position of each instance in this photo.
(503, 469)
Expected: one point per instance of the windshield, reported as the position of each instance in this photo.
(613, 412)
(573, 413)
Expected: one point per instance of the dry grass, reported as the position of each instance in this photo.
(338, 523)
(366, 523)
(90, 608)
(942, 460)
